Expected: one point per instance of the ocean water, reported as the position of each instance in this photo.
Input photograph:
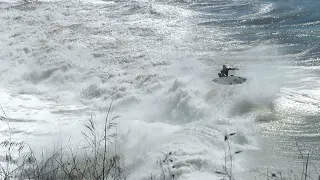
(65, 61)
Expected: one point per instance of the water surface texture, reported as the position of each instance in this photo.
(62, 62)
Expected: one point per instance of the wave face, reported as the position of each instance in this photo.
(62, 61)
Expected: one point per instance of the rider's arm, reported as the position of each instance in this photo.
(233, 69)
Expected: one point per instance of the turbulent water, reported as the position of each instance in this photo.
(64, 61)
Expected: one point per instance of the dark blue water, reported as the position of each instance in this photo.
(292, 24)
(293, 28)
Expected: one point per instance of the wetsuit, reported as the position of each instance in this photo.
(224, 71)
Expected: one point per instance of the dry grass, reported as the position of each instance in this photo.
(166, 166)
(227, 168)
(304, 174)
(95, 161)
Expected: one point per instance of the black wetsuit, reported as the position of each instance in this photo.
(225, 71)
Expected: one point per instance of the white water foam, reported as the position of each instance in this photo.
(67, 60)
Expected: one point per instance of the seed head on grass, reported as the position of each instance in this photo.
(96, 162)
(226, 137)
(237, 152)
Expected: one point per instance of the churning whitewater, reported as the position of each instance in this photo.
(64, 62)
